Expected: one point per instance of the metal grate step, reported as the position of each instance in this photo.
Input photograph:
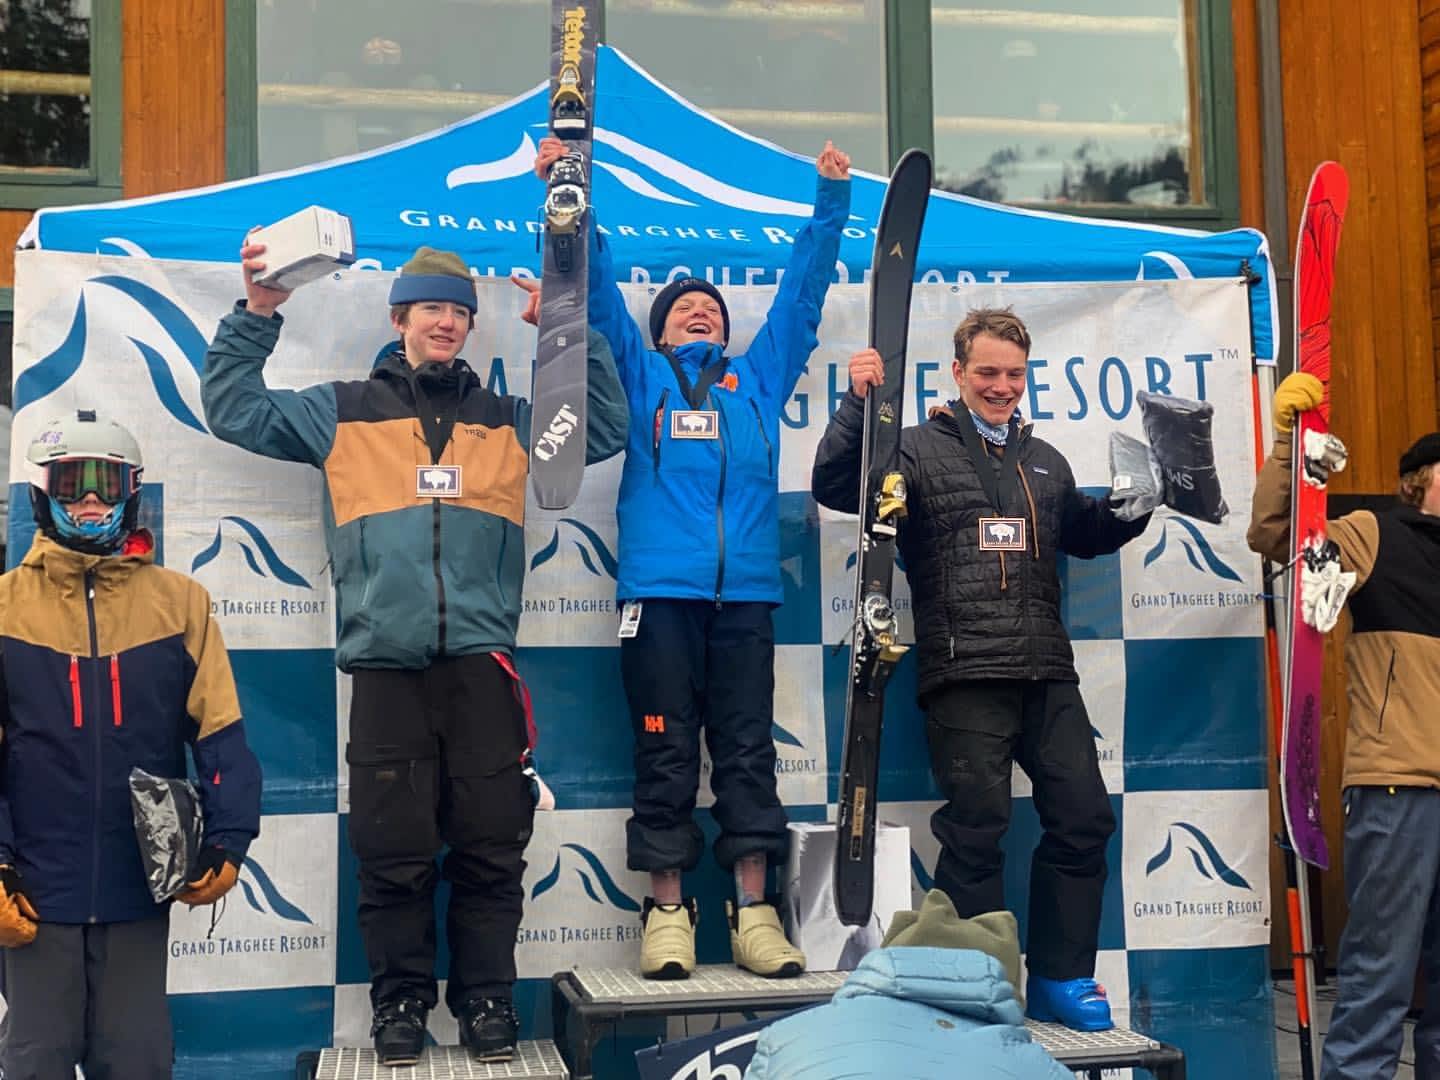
(538, 1060)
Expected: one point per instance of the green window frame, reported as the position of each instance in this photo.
(909, 108)
(24, 190)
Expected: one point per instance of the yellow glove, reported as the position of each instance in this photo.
(1297, 392)
(219, 877)
(17, 915)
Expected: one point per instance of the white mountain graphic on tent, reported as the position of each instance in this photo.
(520, 161)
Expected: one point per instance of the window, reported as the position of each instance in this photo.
(1063, 101)
(1109, 107)
(60, 99)
(336, 77)
(797, 72)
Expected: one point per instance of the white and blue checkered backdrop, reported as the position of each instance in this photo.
(1167, 633)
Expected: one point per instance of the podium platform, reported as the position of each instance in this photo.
(537, 1060)
(586, 1000)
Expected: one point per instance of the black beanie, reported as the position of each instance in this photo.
(1426, 451)
(672, 292)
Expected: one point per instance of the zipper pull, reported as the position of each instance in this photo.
(115, 686)
(75, 703)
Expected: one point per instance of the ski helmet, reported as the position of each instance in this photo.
(76, 455)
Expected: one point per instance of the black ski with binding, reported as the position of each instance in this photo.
(557, 421)
(874, 648)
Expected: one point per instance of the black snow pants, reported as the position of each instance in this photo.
(976, 730)
(694, 664)
(436, 757)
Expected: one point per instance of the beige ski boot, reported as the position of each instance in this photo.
(758, 943)
(667, 946)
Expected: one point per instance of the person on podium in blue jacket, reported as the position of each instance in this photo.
(699, 575)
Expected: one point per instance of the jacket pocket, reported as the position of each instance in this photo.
(1385, 699)
(764, 438)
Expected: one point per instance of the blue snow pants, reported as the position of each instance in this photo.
(1392, 883)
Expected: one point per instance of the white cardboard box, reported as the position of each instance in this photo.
(810, 918)
(308, 244)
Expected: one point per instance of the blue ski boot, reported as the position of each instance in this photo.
(1079, 1004)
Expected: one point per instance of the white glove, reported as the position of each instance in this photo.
(1323, 592)
(1322, 455)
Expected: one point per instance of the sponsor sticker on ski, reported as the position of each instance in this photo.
(437, 481)
(1002, 534)
(694, 424)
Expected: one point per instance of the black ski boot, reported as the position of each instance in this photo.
(489, 1028)
(399, 1031)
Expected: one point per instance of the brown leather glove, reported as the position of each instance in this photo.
(17, 915)
(218, 871)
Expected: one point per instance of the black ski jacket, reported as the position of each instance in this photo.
(978, 614)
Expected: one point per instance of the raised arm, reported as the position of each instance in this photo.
(835, 477)
(606, 308)
(788, 337)
(292, 425)
(607, 414)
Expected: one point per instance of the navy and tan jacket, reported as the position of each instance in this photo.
(1392, 656)
(110, 662)
(416, 576)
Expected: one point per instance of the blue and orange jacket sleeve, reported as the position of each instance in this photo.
(291, 425)
(228, 772)
(784, 344)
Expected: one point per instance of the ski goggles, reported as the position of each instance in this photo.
(71, 479)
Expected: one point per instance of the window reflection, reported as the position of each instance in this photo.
(341, 76)
(795, 72)
(1067, 101)
(45, 85)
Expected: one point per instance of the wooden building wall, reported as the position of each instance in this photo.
(173, 134)
(1430, 126)
(1352, 86)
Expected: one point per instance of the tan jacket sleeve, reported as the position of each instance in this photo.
(1357, 534)
(1269, 532)
(213, 702)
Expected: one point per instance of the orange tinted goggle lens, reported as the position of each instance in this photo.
(71, 481)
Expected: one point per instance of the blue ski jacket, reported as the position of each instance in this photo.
(921, 1013)
(699, 517)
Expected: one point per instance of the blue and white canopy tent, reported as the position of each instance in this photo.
(115, 303)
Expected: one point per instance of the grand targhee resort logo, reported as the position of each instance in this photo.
(844, 602)
(1204, 885)
(47, 375)
(1181, 536)
(595, 556)
(263, 896)
(233, 533)
(611, 915)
